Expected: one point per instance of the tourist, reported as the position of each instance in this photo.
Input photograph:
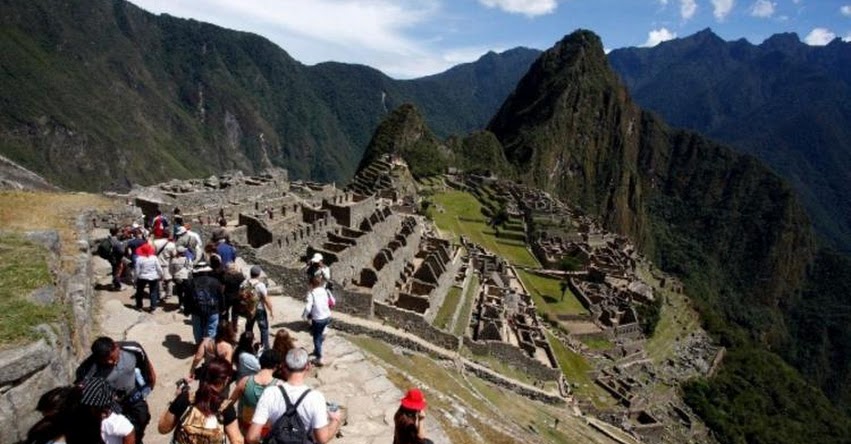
(226, 250)
(220, 347)
(249, 388)
(96, 417)
(190, 240)
(55, 406)
(116, 258)
(148, 273)
(177, 216)
(246, 355)
(264, 306)
(317, 266)
(409, 419)
(204, 302)
(159, 225)
(310, 404)
(232, 278)
(165, 250)
(127, 369)
(180, 267)
(317, 310)
(199, 418)
(283, 343)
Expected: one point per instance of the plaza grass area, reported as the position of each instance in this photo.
(467, 307)
(462, 215)
(577, 372)
(448, 309)
(546, 292)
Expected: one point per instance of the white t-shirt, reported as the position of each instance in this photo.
(317, 304)
(114, 428)
(271, 406)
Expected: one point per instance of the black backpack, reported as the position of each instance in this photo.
(206, 302)
(289, 428)
(104, 249)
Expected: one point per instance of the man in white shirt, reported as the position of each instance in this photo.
(312, 409)
(317, 308)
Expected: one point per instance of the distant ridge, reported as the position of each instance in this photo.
(783, 101)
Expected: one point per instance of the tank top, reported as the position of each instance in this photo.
(250, 397)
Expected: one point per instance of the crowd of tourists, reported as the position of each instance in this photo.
(247, 391)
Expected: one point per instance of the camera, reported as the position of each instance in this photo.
(182, 384)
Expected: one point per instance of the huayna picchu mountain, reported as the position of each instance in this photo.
(102, 94)
(783, 101)
(724, 222)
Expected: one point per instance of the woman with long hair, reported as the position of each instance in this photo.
(219, 347)
(203, 415)
(246, 355)
(409, 419)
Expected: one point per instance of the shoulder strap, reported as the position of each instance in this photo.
(289, 403)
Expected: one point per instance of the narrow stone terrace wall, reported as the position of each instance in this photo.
(414, 324)
(513, 356)
(27, 371)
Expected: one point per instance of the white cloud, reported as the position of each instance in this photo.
(845, 10)
(721, 8)
(688, 8)
(847, 37)
(378, 33)
(819, 37)
(529, 8)
(663, 2)
(763, 8)
(657, 36)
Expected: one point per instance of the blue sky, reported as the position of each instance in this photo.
(412, 38)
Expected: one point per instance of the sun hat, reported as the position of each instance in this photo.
(317, 258)
(181, 230)
(97, 393)
(414, 400)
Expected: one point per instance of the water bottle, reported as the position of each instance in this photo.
(140, 380)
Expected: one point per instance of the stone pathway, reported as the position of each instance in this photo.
(350, 379)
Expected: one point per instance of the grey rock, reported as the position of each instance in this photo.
(44, 296)
(48, 239)
(19, 362)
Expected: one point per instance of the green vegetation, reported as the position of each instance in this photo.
(23, 269)
(462, 215)
(403, 132)
(596, 343)
(467, 306)
(547, 294)
(448, 309)
(577, 371)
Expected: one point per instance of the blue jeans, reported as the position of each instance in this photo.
(317, 330)
(262, 320)
(204, 326)
(153, 288)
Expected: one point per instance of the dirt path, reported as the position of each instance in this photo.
(349, 379)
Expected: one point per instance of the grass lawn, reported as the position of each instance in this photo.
(467, 307)
(23, 265)
(447, 310)
(576, 369)
(23, 268)
(596, 343)
(462, 216)
(546, 292)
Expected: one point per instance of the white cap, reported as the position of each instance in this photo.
(317, 257)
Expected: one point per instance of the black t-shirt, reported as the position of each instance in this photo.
(181, 403)
(232, 283)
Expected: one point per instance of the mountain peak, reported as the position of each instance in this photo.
(785, 40)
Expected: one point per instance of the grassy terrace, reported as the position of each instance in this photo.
(462, 215)
(449, 307)
(467, 307)
(546, 292)
(576, 369)
(24, 265)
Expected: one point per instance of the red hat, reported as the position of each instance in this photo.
(414, 400)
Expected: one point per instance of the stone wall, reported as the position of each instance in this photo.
(357, 257)
(414, 324)
(481, 372)
(27, 371)
(385, 284)
(513, 356)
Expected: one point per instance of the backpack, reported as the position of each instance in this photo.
(104, 249)
(289, 428)
(248, 300)
(204, 302)
(195, 428)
